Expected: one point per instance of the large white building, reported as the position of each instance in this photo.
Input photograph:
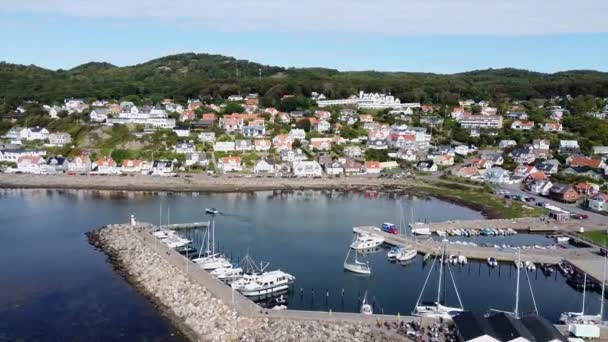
(154, 117)
(369, 101)
(307, 168)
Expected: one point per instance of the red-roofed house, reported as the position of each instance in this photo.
(321, 144)
(366, 118)
(129, 165)
(522, 125)
(580, 161)
(284, 117)
(587, 188)
(523, 171)
(282, 142)
(272, 111)
(372, 167)
(426, 108)
(553, 127)
(187, 115)
(231, 124)
(228, 164)
(481, 163)
(323, 114)
(209, 116)
(537, 176)
(262, 145)
(31, 164)
(106, 166)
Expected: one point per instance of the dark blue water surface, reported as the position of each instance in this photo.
(55, 286)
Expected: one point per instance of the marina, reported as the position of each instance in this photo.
(304, 219)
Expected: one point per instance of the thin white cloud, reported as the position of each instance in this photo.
(487, 17)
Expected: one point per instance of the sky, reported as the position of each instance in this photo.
(441, 36)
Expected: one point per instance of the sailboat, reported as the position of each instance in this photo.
(357, 266)
(580, 317)
(366, 308)
(211, 260)
(437, 310)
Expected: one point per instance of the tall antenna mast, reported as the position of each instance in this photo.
(517, 287)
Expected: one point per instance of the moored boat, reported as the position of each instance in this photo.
(492, 262)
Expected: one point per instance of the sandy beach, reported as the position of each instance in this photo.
(197, 182)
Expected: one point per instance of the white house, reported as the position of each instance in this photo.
(497, 175)
(182, 132)
(334, 168)
(185, 147)
(323, 126)
(243, 145)
(12, 155)
(131, 166)
(223, 146)
(207, 137)
(31, 164)
(262, 145)
(59, 139)
(197, 159)
(426, 166)
(37, 133)
(106, 166)
(99, 114)
(540, 187)
(307, 168)
(264, 166)
(228, 164)
(161, 168)
(297, 133)
(599, 202)
(80, 164)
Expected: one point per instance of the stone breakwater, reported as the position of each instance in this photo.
(203, 317)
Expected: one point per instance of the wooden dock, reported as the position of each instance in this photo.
(424, 245)
(182, 226)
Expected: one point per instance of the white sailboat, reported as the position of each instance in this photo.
(437, 310)
(580, 317)
(356, 266)
(366, 308)
(211, 260)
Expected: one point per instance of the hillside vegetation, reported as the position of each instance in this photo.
(199, 75)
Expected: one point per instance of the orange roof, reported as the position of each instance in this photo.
(107, 161)
(209, 116)
(537, 175)
(584, 161)
(227, 160)
(372, 164)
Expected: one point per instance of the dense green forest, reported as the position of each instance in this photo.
(202, 75)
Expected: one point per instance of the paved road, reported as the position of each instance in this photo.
(594, 222)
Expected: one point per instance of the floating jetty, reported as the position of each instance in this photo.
(182, 226)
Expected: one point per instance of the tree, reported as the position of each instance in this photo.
(233, 107)
(304, 124)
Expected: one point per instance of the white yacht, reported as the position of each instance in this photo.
(530, 266)
(367, 241)
(227, 273)
(268, 283)
(164, 233)
(212, 262)
(357, 266)
(406, 254)
(176, 242)
(392, 253)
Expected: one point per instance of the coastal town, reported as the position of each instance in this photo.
(533, 145)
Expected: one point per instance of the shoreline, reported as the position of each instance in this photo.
(206, 184)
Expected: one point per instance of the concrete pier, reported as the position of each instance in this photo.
(183, 226)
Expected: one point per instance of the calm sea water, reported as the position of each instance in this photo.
(55, 286)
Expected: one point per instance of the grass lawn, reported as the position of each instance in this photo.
(482, 198)
(599, 236)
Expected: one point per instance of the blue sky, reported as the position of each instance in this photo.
(422, 36)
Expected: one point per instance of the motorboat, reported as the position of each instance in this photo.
(436, 310)
(530, 266)
(367, 241)
(441, 233)
(547, 269)
(487, 232)
(518, 264)
(176, 242)
(212, 262)
(420, 228)
(406, 254)
(244, 280)
(562, 239)
(492, 262)
(227, 273)
(366, 308)
(392, 253)
(565, 268)
(164, 233)
(268, 283)
(462, 259)
(356, 266)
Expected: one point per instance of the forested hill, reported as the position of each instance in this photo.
(199, 75)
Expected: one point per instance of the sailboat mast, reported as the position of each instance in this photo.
(584, 292)
(160, 217)
(603, 290)
(517, 287)
(213, 232)
(440, 274)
